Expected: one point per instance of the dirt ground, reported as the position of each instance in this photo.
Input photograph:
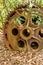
(8, 57)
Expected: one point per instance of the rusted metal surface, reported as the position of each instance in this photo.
(21, 31)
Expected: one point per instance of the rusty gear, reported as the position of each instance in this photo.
(23, 29)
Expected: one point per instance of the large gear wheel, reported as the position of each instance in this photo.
(23, 28)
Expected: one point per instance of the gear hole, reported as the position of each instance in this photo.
(21, 19)
(34, 20)
(26, 33)
(15, 31)
(34, 45)
(41, 34)
(21, 43)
